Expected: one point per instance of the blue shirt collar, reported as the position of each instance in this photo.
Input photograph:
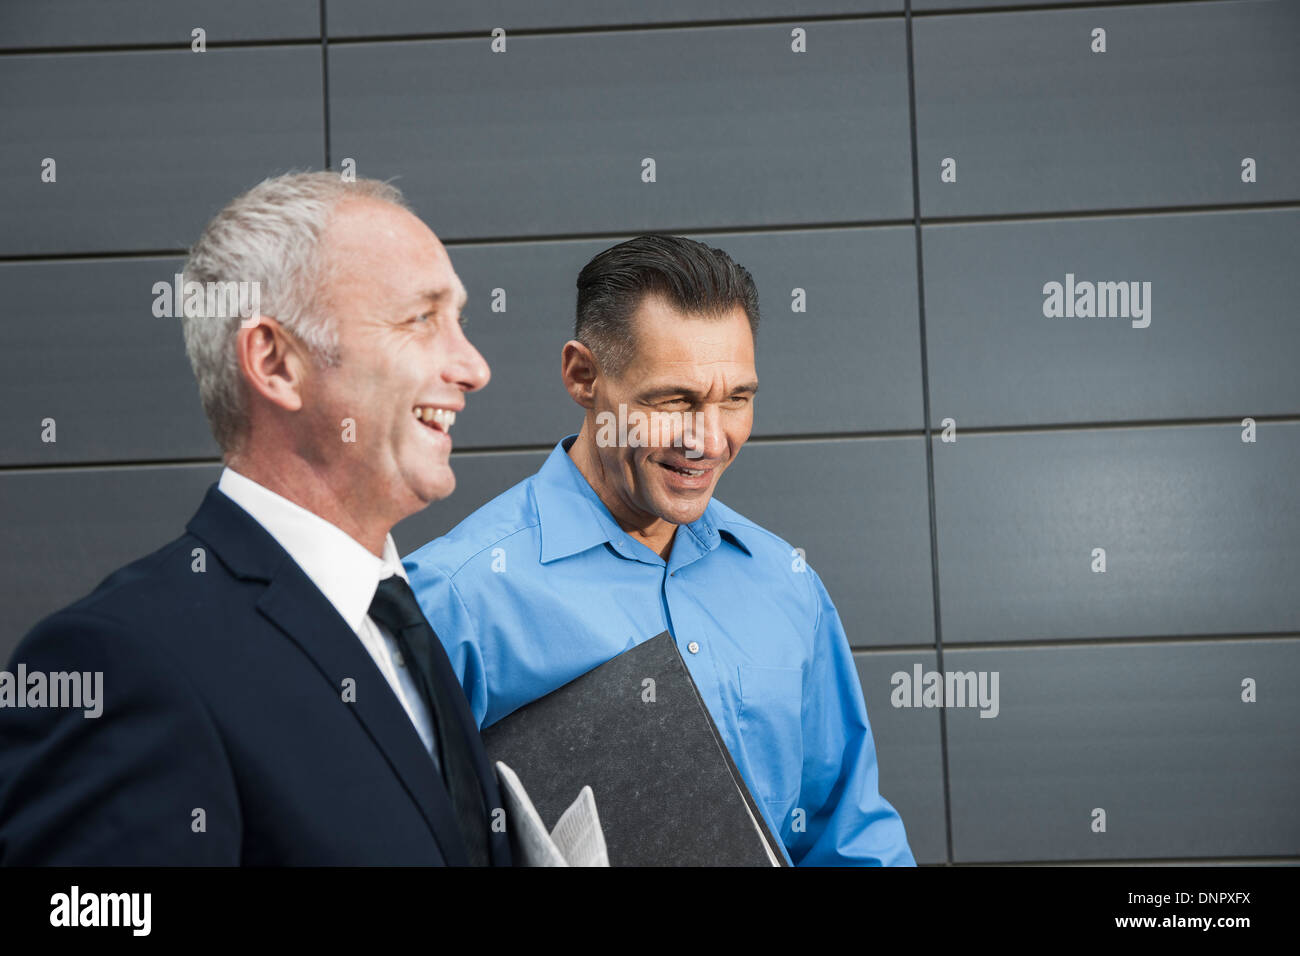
(572, 518)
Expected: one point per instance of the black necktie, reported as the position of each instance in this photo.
(395, 607)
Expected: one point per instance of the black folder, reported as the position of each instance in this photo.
(667, 790)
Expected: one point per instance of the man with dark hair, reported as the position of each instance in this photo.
(618, 537)
(695, 278)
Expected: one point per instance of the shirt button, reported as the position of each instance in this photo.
(398, 659)
(693, 647)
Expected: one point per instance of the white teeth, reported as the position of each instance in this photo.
(442, 417)
(689, 472)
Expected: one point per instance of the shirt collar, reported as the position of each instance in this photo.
(339, 565)
(572, 518)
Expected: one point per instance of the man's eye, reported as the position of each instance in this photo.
(422, 318)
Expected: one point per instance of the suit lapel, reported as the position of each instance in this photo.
(305, 616)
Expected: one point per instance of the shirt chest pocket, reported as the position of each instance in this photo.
(770, 702)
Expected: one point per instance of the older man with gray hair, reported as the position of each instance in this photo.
(271, 692)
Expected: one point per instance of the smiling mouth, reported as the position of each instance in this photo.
(688, 472)
(439, 419)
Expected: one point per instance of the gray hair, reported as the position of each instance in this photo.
(268, 237)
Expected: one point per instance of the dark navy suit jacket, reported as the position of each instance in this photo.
(223, 691)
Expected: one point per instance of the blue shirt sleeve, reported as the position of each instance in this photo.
(844, 819)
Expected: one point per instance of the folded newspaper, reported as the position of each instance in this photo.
(576, 840)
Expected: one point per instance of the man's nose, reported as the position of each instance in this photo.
(468, 368)
(705, 436)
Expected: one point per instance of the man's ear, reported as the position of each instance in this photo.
(271, 361)
(579, 370)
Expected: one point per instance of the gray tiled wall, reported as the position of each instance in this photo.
(45, 24)
(1038, 122)
(146, 145)
(556, 130)
(928, 318)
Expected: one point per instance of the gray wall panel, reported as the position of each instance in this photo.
(524, 143)
(65, 531)
(148, 146)
(955, 5)
(84, 23)
(79, 343)
(1156, 735)
(349, 18)
(524, 402)
(1200, 532)
(858, 508)
(1037, 122)
(908, 753)
(851, 362)
(1222, 338)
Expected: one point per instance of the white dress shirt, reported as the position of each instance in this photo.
(345, 572)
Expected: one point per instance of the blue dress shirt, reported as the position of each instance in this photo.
(541, 584)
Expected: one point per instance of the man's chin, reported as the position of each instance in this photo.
(677, 511)
(436, 489)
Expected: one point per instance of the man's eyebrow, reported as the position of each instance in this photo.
(667, 390)
(438, 297)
